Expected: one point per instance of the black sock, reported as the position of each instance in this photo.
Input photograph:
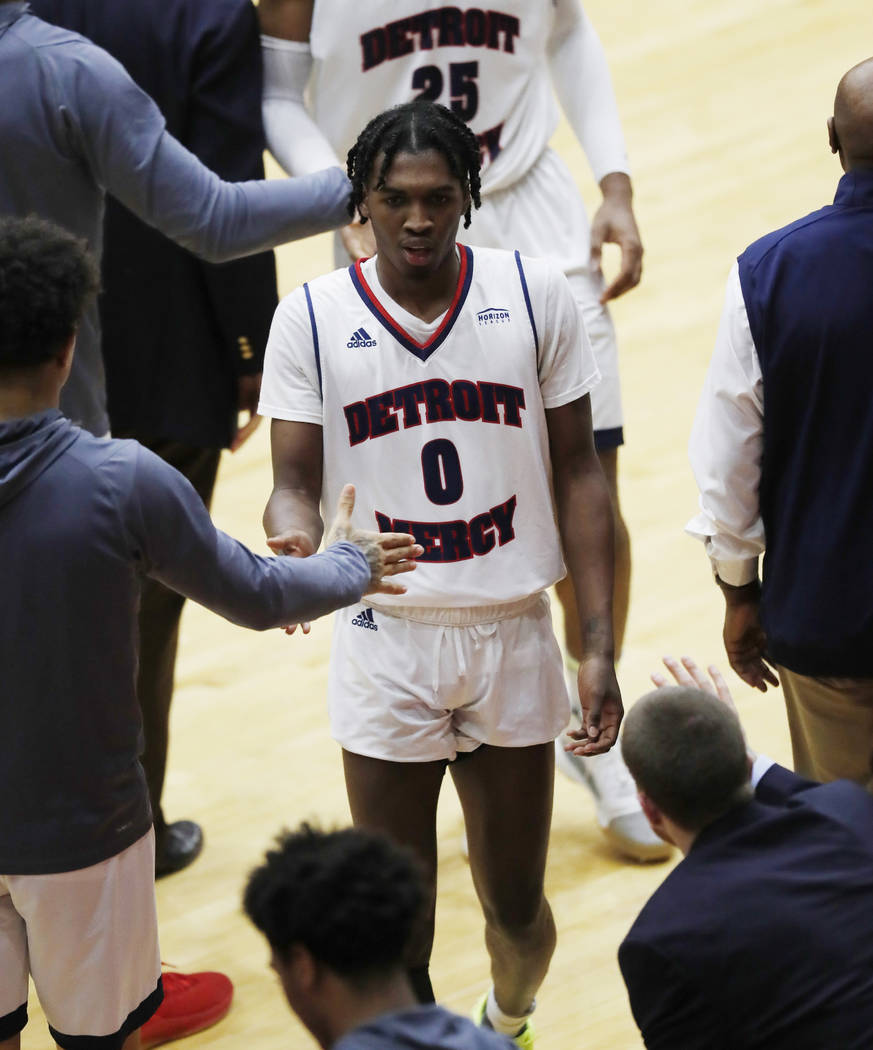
(419, 978)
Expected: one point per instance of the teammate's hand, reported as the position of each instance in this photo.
(248, 391)
(293, 544)
(602, 709)
(388, 553)
(614, 223)
(358, 239)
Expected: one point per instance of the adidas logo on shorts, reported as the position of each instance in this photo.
(359, 339)
(365, 619)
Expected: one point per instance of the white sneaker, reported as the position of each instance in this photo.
(619, 813)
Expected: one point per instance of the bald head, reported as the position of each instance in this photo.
(850, 130)
(685, 750)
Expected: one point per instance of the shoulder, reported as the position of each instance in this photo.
(784, 238)
(536, 275)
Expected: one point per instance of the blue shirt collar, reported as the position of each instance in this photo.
(855, 189)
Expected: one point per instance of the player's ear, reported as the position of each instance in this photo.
(363, 208)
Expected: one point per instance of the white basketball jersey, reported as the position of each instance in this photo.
(487, 64)
(441, 427)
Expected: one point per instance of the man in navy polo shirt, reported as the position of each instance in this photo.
(796, 477)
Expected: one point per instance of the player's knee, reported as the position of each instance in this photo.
(518, 914)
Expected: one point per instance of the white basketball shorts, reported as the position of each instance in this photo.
(543, 215)
(89, 938)
(410, 691)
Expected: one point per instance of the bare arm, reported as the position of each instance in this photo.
(586, 525)
(292, 518)
(293, 522)
(289, 19)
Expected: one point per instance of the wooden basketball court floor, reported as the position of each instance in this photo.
(724, 107)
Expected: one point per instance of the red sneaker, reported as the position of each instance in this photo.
(192, 1002)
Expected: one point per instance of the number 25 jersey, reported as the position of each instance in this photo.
(441, 427)
(487, 63)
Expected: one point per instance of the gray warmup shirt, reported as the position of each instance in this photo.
(74, 126)
(82, 519)
(428, 1027)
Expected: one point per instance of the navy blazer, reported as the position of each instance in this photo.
(763, 935)
(177, 332)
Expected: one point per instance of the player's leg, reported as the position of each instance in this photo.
(506, 795)
(400, 799)
(14, 969)
(93, 947)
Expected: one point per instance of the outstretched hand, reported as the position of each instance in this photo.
(688, 673)
(388, 553)
(602, 709)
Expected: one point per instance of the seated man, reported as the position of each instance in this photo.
(337, 909)
(763, 935)
(82, 521)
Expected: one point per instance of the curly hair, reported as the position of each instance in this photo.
(350, 897)
(46, 277)
(413, 128)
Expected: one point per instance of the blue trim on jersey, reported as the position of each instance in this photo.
(314, 334)
(530, 315)
(421, 350)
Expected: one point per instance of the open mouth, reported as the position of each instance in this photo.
(417, 252)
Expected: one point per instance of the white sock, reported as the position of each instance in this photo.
(503, 1023)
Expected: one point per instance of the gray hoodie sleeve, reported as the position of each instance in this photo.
(175, 542)
(121, 135)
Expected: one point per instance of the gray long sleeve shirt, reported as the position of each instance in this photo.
(75, 126)
(82, 519)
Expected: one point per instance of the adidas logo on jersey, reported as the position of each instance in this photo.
(365, 619)
(359, 339)
(493, 315)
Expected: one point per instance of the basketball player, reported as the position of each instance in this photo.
(453, 385)
(496, 70)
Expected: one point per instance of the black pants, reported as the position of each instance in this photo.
(159, 614)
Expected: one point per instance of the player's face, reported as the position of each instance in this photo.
(415, 212)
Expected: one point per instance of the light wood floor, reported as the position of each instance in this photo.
(724, 105)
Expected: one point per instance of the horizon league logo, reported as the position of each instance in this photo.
(493, 315)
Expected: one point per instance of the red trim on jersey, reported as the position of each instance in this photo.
(376, 307)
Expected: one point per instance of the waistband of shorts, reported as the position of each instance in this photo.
(463, 616)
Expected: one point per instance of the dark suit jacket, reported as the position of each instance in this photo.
(763, 935)
(177, 331)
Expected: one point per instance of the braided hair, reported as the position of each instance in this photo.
(413, 128)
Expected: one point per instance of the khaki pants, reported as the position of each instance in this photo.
(831, 725)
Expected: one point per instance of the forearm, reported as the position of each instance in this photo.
(726, 445)
(293, 137)
(584, 87)
(289, 510)
(177, 544)
(586, 524)
(220, 220)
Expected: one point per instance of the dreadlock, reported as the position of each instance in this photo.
(413, 128)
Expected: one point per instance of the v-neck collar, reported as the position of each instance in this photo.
(421, 350)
